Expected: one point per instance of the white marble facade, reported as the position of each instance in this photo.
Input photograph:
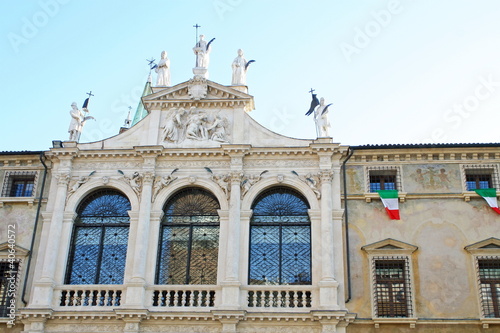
(191, 127)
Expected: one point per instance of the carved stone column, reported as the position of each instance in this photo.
(328, 285)
(135, 287)
(42, 296)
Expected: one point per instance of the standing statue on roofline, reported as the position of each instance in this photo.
(320, 111)
(78, 119)
(240, 66)
(163, 71)
(202, 52)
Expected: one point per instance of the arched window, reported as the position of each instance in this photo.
(189, 239)
(100, 237)
(280, 238)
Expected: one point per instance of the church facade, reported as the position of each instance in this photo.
(198, 219)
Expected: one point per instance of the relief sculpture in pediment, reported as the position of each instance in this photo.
(196, 125)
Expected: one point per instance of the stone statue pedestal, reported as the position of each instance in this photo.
(201, 71)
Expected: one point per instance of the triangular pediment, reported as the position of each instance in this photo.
(389, 245)
(20, 251)
(198, 92)
(491, 244)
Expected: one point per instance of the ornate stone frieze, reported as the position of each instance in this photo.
(280, 163)
(187, 164)
(107, 165)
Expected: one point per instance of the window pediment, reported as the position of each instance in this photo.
(485, 247)
(389, 245)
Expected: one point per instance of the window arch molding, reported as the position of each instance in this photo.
(96, 184)
(291, 182)
(166, 193)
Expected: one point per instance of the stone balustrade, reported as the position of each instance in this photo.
(88, 296)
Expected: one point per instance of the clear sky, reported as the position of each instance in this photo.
(396, 71)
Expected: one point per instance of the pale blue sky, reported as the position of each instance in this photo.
(403, 71)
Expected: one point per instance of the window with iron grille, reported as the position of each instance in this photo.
(19, 184)
(189, 239)
(382, 180)
(280, 238)
(8, 285)
(392, 295)
(99, 241)
(478, 179)
(489, 279)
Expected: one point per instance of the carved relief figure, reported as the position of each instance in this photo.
(135, 181)
(222, 181)
(82, 180)
(163, 70)
(249, 181)
(162, 182)
(173, 128)
(196, 128)
(218, 129)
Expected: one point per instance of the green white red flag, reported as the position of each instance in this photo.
(391, 203)
(490, 195)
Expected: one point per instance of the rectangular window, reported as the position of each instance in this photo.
(8, 285)
(19, 184)
(392, 287)
(382, 180)
(478, 180)
(489, 278)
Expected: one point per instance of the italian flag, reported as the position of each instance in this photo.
(390, 201)
(490, 195)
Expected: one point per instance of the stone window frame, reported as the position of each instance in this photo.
(495, 182)
(391, 249)
(20, 256)
(9, 176)
(399, 184)
(485, 249)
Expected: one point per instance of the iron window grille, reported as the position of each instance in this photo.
(280, 239)
(382, 180)
(480, 176)
(99, 241)
(489, 279)
(19, 184)
(478, 179)
(189, 239)
(392, 293)
(8, 284)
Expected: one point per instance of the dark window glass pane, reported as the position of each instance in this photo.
(391, 288)
(22, 186)
(280, 239)
(8, 274)
(478, 180)
(382, 182)
(100, 238)
(189, 243)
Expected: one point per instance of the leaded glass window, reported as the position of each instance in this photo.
(189, 239)
(100, 237)
(280, 238)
